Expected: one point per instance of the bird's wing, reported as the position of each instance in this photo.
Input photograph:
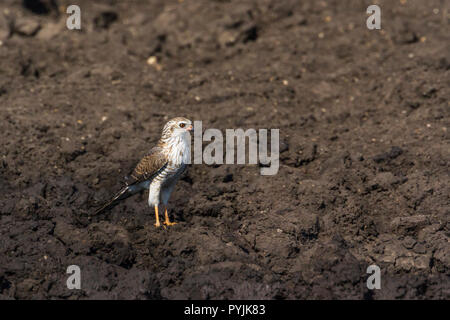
(150, 165)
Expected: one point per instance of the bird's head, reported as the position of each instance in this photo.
(177, 127)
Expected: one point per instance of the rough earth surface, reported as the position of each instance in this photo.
(364, 140)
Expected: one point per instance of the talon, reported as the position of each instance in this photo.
(167, 221)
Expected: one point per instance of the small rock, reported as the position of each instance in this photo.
(405, 263)
(152, 60)
(409, 242)
(422, 262)
(26, 27)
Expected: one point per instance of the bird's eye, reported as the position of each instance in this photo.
(182, 125)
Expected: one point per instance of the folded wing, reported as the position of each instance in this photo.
(150, 166)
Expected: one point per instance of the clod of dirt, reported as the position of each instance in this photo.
(390, 155)
(442, 259)
(409, 242)
(74, 238)
(26, 27)
(409, 225)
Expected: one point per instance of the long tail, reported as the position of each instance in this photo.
(122, 194)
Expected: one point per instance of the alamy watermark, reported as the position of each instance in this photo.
(74, 280)
(236, 140)
(73, 22)
(374, 20)
(373, 281)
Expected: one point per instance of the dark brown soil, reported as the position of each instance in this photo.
(364, 128)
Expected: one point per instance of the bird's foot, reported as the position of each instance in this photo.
(168, 223)
(166, 219)
(157, 224)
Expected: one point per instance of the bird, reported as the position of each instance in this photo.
(160, 169)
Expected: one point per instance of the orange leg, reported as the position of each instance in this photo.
(157, 224)
(167, 221)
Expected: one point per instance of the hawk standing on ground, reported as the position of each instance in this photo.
(160, 169)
